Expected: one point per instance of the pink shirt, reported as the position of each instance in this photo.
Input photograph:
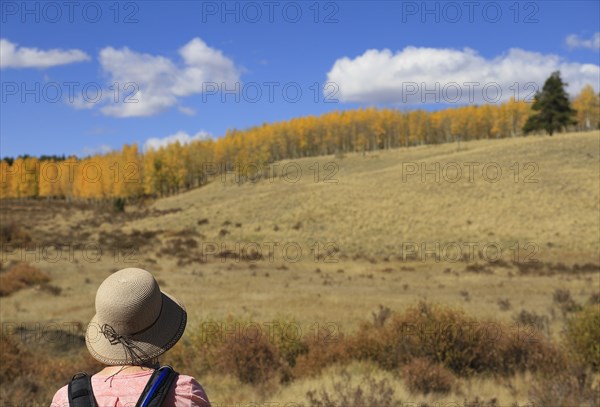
(125, 390)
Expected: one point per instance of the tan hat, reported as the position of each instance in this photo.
(135, 321)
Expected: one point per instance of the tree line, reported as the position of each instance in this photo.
(130, 173)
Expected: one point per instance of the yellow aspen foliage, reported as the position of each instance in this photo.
(50, 179)
(150, 172)
(6, 180)
(587, 105)
(66, 181)
(127, 173)
(24, 182)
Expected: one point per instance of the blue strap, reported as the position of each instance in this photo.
(163, 375)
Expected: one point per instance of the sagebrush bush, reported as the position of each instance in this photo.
(286, 338)
(321, 353)
(20, 276)
(369, 392)
(582, 335)
(450, 337)
(424, 376)
(575, 386)
(251, 351)
(532, 319)
(566, 303)
(251, 360)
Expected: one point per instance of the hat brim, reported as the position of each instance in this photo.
(153, 342)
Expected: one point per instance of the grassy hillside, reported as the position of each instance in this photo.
(373, 209)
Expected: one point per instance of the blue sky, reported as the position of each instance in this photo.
(171, 61)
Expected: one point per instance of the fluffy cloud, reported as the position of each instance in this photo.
(574, 41)
(187, 110)
(428, 75)
(14, 56)
(181, 136)
(150, 84)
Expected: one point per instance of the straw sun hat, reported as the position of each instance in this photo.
(135, 321)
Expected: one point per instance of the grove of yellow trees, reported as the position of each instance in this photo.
(129, 173)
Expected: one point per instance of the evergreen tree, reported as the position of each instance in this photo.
(552, 106)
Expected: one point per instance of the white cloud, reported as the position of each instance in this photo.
(150, 84)
(188, 111)
(181, 136)
(14, 56)
(203, 64)
(450, 76)
(574, 41)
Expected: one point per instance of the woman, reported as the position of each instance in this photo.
(134, 324)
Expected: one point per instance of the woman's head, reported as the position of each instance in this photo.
(135, 321)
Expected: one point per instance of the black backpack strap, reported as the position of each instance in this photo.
(157, 387)
(80, 391)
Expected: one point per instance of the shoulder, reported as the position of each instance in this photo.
(187, 387)
(61, 398)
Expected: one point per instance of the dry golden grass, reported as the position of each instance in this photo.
(507, 391)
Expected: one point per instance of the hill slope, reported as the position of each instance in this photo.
(383, 202)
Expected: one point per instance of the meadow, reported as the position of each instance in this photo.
(327, 260)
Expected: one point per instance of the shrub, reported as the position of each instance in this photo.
(20, 276)
(287, 341)
(562, 297)
(525, 350)
(370, 392)
(251, 359)
(450, 337)
(531, 318)
(248, 350)
(12, 355)
(321, 352)
(582, 335)
(573, 387)
(439, 334)
(423, 376)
